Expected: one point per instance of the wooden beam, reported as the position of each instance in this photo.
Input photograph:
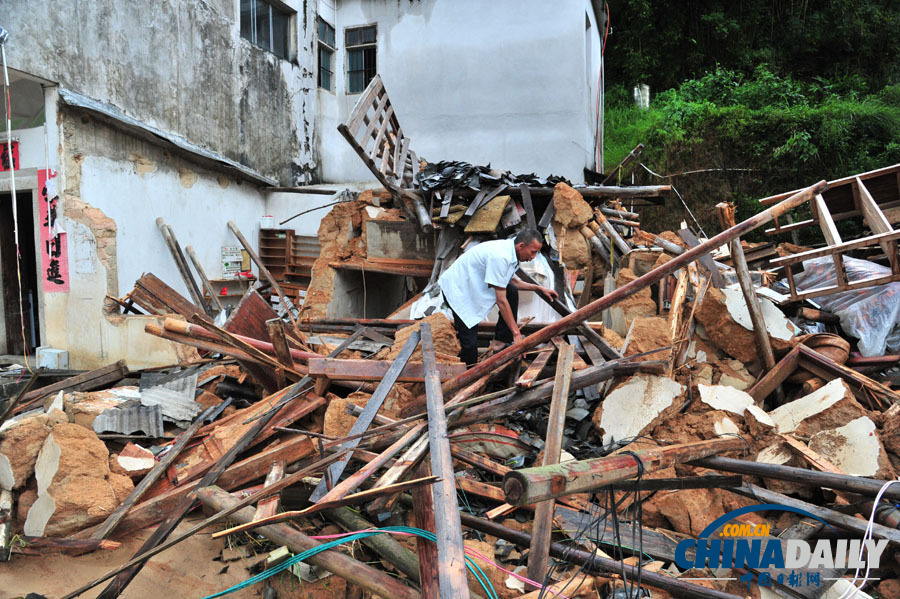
(842, 482)
(583, 329)
(539, 555)
(531, 485)
(872, 214)
(826, 223)
(534, 369)
(423, 517)
(364, 420)
(86, 381)
(214, 298)
(376, 370)
(595, 307)
(448, 530)
(181, 264)
(355, 480)
(269, 506)
(760, 332)
(384, 545)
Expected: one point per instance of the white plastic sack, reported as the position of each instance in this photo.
(871, 315)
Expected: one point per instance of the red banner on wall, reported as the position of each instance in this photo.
(54, 254)
(4, 156)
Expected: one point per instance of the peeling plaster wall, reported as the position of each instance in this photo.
(180, 66)
(509, 82)
(115, 187)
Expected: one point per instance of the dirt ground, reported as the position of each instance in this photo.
(186, 570)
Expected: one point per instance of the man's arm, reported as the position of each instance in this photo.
(506, 313)
(523, 286)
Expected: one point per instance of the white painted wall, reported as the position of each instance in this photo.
(198, 215)
(502, 82)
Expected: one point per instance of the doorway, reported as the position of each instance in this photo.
(21, 319)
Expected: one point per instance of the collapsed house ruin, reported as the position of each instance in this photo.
(678, 379)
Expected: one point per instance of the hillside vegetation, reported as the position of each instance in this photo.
(757, 112)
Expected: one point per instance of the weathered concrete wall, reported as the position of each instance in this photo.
(508, 82)
(114, 187)
(180, 66)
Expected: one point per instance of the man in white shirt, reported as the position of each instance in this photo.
(484, 276)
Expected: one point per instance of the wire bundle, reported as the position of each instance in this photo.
(476, 571)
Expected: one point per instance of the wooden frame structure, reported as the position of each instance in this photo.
(867, 195)
(374, 133)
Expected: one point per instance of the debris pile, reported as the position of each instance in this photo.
(684, 421)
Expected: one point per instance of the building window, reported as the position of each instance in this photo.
(326, 55)
(360, 43)
(266, 25)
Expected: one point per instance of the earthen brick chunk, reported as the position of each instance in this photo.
(75, 486)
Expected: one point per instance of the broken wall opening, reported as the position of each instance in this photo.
(358, 294)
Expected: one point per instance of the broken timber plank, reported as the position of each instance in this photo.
(534, 369)
(154, 296)
(531, 485)
(579, 316)
(214, 298)
(353, 499)
(86, 381)
(372, 406)
(423, 517)
(705, 259)
(269, 506)
(376, 370)
(539, 555)
(845, 521)
(181, 264)
(447, 528)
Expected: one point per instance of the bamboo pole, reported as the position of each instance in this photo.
(579, 316)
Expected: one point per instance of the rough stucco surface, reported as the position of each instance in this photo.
(181, 66)
(488, 83)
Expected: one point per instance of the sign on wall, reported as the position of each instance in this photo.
(54, 253)
(4, 156)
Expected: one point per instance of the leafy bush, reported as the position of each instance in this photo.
(754, 136)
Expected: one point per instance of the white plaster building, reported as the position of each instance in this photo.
(190, 109)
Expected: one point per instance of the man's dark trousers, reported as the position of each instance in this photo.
(468, 337)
